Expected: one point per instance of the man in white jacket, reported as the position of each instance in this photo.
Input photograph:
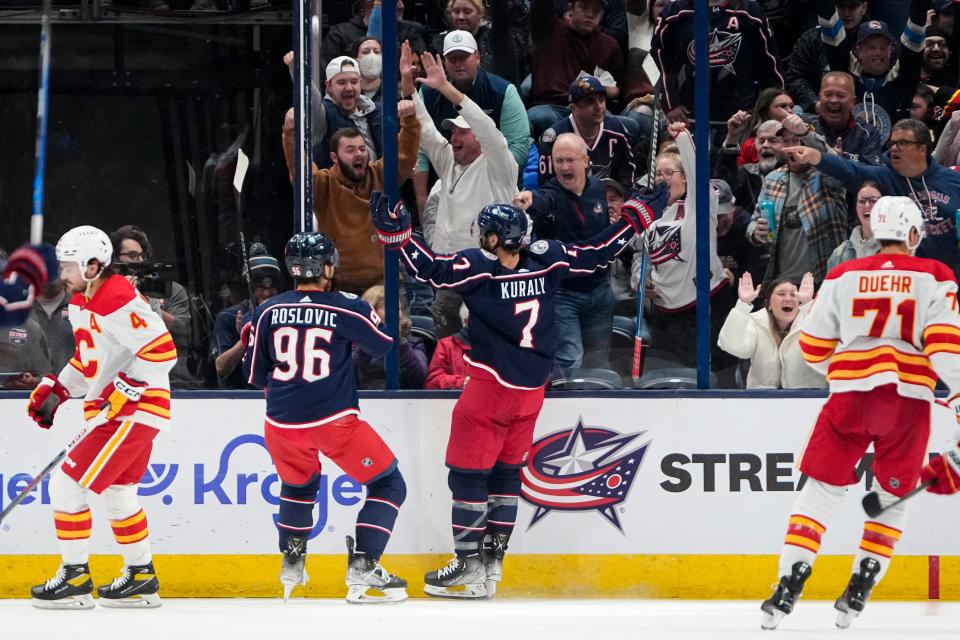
(475, 168)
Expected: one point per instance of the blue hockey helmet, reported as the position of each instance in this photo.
(307, 253)
(507, 221)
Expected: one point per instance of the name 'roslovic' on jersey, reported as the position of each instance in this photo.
(299, 351)
(511, 311)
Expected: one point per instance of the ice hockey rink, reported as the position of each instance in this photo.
(428, 620)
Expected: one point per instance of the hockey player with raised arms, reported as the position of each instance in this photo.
(121, 368)
(508, 290)
(299, 352)
(882, 329)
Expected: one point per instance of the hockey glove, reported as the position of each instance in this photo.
(393, 225)
(34, 263)
(45, 399)
(121, 397)
(644, 207)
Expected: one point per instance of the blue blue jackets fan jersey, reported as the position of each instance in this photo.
(511, 311)
(299, 351)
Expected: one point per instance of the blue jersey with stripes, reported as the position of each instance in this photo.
(299, 351)
(511, 310)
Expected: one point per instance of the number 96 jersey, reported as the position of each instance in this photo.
(886, 319)
(300, 351)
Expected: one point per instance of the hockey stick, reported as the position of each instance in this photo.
(871, 501)
(651, 168)
(36, 219)
(37, 479)
(243, 163)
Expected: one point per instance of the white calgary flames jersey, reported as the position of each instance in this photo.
(117, 331)
(886, 319)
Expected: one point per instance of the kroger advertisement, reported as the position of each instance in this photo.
(616, 475)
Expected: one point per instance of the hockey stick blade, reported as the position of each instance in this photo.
(871, 501)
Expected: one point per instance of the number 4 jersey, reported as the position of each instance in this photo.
(116, 330)
(300, 352)
(886, 319)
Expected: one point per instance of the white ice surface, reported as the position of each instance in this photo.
(261, 619)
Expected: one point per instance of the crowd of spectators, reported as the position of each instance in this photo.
(566, 107)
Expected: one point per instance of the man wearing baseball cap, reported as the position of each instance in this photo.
(884, 90)
(736, 253)
(494, 95)
(806, 61)
(474, 168)
(606, 137)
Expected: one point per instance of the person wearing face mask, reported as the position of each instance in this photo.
(770, 338)
(861, 242)
(344, 105)
(368, 53)
(885, 82)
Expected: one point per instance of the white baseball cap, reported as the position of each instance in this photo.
(458, 122)
(342, 64)
(459, 40)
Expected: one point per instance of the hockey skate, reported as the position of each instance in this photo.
(368, 582)
(785, 596)
(70, 588)
(494, 547)
(293, 570)
(461, 578)
(854, 598)
(137, 587)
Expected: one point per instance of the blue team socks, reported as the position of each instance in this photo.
(296, 510)
(469, 518)
(379, 513)
(504, 493)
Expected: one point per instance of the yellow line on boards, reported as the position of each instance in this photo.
(525, 576)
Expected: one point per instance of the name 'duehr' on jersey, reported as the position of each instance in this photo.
(303, 315)
(523, 288)
(885, 283)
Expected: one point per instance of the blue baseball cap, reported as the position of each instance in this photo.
(874, 28)
(585, 86)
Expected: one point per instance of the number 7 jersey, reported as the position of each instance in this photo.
(886, 319)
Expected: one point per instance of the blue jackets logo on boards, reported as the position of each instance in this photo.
(581, 469)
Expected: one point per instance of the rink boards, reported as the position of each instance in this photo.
(663, 496)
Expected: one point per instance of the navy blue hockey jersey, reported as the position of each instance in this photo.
(299, 351)
(743, 56)
(511, 311)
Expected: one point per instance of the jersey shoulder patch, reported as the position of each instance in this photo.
(548, 136)
(348, 295)
(539, 247)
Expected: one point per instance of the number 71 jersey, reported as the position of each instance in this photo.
(886, 319)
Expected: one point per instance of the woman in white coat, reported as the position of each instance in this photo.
(770, 337)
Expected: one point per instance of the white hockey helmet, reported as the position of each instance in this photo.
(892, 218)
(82, 244)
